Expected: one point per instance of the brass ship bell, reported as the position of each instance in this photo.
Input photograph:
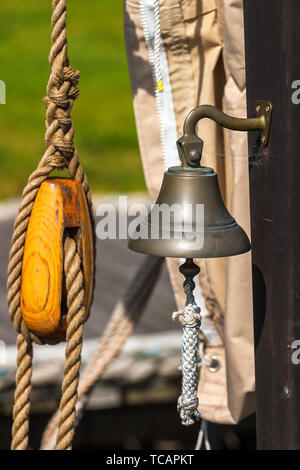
(173, 229)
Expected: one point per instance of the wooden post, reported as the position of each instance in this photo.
(272, 42)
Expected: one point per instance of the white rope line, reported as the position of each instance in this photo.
(203, 433)
(164, 101)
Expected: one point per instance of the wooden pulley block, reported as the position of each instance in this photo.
(60, 209)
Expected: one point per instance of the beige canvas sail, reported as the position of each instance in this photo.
(202, 60)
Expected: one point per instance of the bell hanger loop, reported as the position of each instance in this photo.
(190, 145)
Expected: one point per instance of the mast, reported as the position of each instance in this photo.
(272, 42)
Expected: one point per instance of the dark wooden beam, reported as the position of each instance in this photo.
(272, 41)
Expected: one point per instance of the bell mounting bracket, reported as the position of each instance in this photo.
(190, 145)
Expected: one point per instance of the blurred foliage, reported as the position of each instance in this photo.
(103, 116)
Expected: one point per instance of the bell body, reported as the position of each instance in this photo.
(208, 230)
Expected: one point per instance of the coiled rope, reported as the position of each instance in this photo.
(61, 153)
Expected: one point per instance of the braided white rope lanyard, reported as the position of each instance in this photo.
(191, 360)
(190, 317)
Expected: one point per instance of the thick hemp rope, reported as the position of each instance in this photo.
(61, 153)
(75, 321)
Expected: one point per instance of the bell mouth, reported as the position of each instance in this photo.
(218, 242)
(189, 171)
(190, 210)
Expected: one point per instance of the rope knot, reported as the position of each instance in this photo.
(187, 408)
(61, 93)
(65, 148)
(190, 316)
(71, 75)
(58, 98)
(57, 161)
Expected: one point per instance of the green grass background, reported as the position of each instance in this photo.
(103, 117)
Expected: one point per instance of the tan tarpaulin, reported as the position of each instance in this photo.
(203, 41)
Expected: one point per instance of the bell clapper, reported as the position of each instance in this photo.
(191, 321)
